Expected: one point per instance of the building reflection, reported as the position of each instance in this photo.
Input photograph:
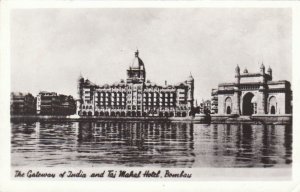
(244, 145)
(149, 144)
(165, 143)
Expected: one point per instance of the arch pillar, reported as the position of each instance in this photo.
(261, 106)
(236, 102)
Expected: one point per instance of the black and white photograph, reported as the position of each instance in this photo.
(158, 93)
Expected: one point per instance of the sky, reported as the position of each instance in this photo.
(50, 48)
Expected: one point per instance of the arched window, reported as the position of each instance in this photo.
(272, 105)
(171, 114)
(228, 105)
(166, 114)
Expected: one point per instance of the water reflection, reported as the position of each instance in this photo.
(160, 144)
(136, 144)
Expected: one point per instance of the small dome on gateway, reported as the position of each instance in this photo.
(237, 69)
(269, 69)
(190, 78)
(137, 62)
(245, 70)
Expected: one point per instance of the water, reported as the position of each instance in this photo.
(159, 144)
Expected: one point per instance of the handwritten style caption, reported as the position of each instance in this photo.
(104, 174)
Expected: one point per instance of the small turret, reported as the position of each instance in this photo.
(190, 78)
(262, 68)
(270, 72)
(245, 70)
(190, 82)
(237, 74)
(237, 70)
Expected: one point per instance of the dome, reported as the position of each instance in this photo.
(245, 70)
(262, 66)
(190, 78)
(137, 62)
(237, 69)
(269, 69)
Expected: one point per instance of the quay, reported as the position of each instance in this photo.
(199, 118)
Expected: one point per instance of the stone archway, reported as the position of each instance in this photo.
(228, 110)
(272, 105)
(228, 105)
(273, 111)
(248, 108)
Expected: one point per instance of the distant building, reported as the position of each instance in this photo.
(136, 96)
(205, 106)
(50, 103)
(254, 93)
(22, 104)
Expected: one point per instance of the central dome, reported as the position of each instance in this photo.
(137, 62)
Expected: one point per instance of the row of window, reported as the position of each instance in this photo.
(133, 114)
(139, 95)
(108, 104)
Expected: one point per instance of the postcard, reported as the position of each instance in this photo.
(177, 96)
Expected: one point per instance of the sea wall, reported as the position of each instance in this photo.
(20, 118)
(199, 118)
(277, 119)
(259, 119)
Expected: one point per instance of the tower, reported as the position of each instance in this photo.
(237, 74)
(262, 69)
(237, 93)
(190, 83)
(136, 72)
(79, 100)
(80, 82)
(136, 76)
(270, 72)
(263, 92)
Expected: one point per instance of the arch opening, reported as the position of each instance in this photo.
(228, 105)
(248, 105)
(273, 109)
(228, 110)
(272, 104)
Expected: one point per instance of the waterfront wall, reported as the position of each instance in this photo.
(199, 118)
(259, 119)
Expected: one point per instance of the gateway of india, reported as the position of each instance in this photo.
(136, 97)
(254, 93)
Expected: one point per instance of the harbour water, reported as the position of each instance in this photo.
(151, 144)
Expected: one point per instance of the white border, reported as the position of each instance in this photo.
(7, 184)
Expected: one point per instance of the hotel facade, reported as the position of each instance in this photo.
(135, 97)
